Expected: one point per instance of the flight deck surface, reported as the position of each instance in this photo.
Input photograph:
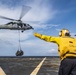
(30, 65)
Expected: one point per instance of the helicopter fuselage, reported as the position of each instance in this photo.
(17, 26)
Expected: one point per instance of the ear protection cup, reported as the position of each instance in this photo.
(60, 33)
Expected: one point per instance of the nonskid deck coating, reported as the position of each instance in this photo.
(25, 65)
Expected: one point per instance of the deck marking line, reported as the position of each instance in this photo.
(35, 71)
(2, 72)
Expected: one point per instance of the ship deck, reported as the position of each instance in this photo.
(30, 65)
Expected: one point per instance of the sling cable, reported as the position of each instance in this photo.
(19, 52)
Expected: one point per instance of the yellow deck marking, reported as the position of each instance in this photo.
(2, 72)
(38, 67)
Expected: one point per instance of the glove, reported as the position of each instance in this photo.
(37, 35)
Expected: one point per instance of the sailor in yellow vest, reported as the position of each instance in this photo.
(66, 49)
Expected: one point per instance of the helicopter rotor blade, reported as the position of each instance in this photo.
(7, 18)
(25, 9)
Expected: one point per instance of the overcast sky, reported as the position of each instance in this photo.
(50, 15)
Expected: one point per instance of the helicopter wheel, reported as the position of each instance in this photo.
(19, 53)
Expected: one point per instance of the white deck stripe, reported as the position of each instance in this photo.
(2, 72)
(38, 67)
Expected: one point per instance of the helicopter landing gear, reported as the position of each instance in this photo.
(19, 53)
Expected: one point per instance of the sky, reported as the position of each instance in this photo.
(47, 17)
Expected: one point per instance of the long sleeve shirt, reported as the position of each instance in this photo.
(64, 44)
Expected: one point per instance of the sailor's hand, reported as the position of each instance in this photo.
(37, 35)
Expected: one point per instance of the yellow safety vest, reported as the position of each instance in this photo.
(66, 45)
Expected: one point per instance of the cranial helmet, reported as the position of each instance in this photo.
(64, 32)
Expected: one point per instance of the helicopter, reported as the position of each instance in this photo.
(17, 24)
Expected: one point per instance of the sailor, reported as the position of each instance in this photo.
(66, 50)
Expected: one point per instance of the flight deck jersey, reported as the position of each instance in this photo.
(66, 45)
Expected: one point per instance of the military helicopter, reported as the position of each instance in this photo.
(17, 24)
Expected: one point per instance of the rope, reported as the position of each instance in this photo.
(19, 48)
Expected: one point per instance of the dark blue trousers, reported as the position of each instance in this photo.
(67, 66)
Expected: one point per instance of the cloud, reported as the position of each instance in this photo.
(40, 12)
(38, 47)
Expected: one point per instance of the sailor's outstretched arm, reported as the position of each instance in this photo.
(42, 37)
(47, 38)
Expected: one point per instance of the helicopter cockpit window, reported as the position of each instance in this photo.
(24, 24)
